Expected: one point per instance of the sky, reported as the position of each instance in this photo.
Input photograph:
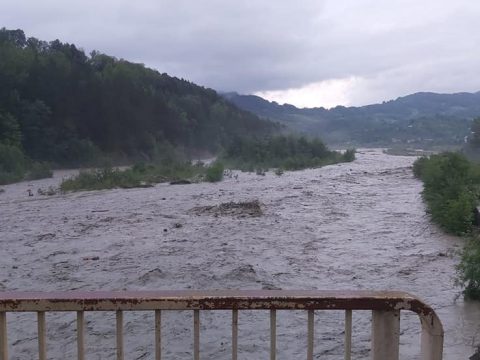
(308, 53)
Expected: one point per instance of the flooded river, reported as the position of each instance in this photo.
(359, 225)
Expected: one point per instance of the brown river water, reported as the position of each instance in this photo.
(359, 225)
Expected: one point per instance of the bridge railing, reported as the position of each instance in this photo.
(385, 307)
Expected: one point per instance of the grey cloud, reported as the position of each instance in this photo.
(249, 46)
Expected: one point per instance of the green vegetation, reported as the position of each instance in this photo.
(452, 192)
(14, 166)
(62, 106)
(143, 175)
(281, 152)
(469, 268)
(214, 173)
(451, 189)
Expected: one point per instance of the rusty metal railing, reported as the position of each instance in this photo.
(385, 307)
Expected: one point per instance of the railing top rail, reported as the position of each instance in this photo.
(211, 300)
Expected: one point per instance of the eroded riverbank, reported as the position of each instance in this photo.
(359, 225)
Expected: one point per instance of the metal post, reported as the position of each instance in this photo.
(80, 335)
(432, 338)
(348, 334)
(196, 335)
(273, 334)
(385, 335)
(119, 335)
(3, 336)
(158, 334)
(310, 334)
(234, 334)
(42, 336)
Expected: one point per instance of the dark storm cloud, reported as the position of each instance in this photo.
(388, 47)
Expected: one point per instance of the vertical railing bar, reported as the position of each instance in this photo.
(234, 334)
(196, 334)
(3, 336)
(385, 335)
(119, 317)
(80, 335)
(348, 334)
(42, 336)
(310, 334)
(158, 334)
(273, 334)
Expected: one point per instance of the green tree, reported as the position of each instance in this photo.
(10, 133)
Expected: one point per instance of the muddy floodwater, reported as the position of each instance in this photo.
(359, 225)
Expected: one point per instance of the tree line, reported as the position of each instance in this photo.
(60, 105)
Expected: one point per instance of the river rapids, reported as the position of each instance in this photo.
(359, 225)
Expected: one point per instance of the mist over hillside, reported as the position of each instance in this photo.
(421, 119)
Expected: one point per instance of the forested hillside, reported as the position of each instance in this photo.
(61, 105)
(421, 119)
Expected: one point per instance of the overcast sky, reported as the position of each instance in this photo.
(305, 52)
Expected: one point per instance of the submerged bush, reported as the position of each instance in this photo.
(214, 172)
(349, 155)
(106, 178)
(142, 175)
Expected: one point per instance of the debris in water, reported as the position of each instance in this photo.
(151, 276)
(240, 209)
(180, 182)
(91, 258)
(50, 191)
(47, 236)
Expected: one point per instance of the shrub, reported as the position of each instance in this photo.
(141, 175)
(349, 155)
(13, 164)
(468, 271)
(451, 191)
(279, 172)
(451, 188)
(214, 172)
(260, 172)
(419, 165)
(456, 215)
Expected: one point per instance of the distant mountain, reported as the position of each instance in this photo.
(425, 119)
(61, 105)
